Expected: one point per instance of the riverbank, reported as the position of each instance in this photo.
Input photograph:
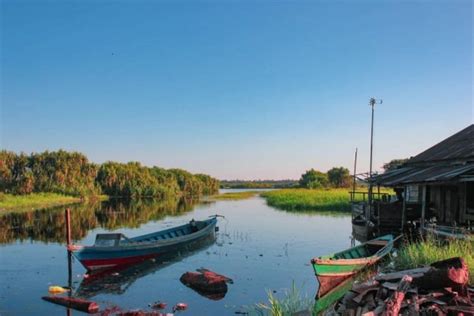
(412, 255)
(10, 202)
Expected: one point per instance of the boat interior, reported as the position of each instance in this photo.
(115, 239)
(365, 250)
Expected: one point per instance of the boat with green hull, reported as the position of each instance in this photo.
(333, 269)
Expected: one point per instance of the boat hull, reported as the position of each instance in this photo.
(334, 269)
(361, 230)
(329, 276)
(97, 258)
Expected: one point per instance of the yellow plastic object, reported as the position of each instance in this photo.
(54, 289)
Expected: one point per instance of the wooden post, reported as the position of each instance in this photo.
(404, 209)
(355, 178)
(423, 206)
(69, 254)
(68, 226)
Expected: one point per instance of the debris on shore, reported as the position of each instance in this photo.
(439, 289)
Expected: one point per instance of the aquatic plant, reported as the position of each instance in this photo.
(304, 199)
(291, 302)
(310, 200)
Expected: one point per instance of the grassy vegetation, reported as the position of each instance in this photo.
(337, 200)
(234, 195)
(431, 250)
(34, 201)
(290, 303)
(258, 184)
(305, 199)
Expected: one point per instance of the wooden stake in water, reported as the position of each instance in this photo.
(68, 226)
(69, 254)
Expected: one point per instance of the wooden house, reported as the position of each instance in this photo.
(435, 186)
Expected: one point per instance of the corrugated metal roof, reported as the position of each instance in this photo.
(411, 175)
(459, 146)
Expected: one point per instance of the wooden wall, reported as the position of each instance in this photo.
(448, 203)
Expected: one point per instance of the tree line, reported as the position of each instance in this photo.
(337, 177)
(72, 173)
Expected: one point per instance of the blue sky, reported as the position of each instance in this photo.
(235, 89)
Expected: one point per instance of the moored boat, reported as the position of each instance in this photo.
(448, 232)
(333, 269)
(115, 249)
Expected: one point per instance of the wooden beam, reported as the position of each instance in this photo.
(404, 209)
(423, 206)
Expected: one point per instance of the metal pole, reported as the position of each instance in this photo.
(369, 209)
(372, 104)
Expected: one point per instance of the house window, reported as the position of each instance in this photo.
(413, 195)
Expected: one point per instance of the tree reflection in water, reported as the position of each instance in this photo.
(48, 225)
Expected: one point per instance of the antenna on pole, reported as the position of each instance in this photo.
(372, 103)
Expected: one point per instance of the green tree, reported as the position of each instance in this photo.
(190, 185)
(210, 185)
(339, 177)
(313, 179)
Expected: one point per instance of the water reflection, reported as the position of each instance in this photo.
(48, 225)
(117, 280)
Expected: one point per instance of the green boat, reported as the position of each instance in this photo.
(333, 269)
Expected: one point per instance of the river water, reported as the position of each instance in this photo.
(261, 248)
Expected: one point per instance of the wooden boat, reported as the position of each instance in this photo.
(331, 270)
(116, 280)
(115, 249)
(449, 232)
(361, 230)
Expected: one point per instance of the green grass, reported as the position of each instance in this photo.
(336, 200)
(234, 195)
(306, 199)
(430, 250)
(291, 302)
(9, 202)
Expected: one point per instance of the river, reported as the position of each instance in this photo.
(261, 248)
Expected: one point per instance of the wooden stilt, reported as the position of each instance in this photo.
(404, 209)
(68, 226)
(423, 206)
